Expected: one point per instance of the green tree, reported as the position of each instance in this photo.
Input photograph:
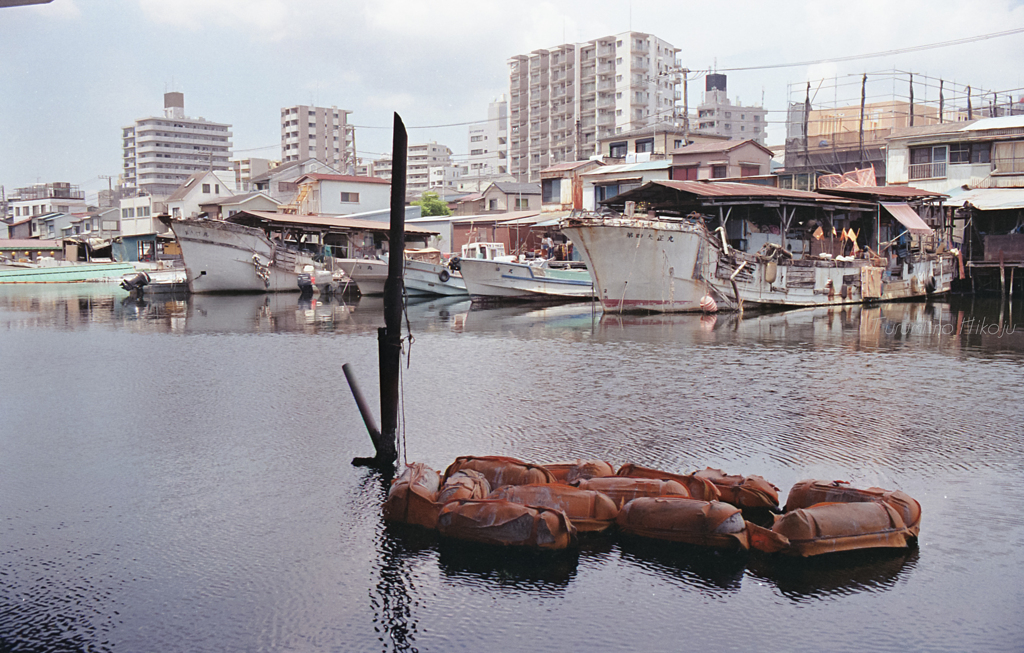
(432, 204)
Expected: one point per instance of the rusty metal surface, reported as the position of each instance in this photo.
(504, 523)
(569, 472)
(743, 491)
(832, 527)
(698, 488)
(810, 492)
(623, 490)
(588, 510)
(411, 499)
(678, 519)
(501, 470)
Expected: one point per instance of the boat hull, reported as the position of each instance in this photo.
(422, 278)
(663, 266)
(368, 273)
(223, 257)
(70, 273)
(497, 280)
(643, 269)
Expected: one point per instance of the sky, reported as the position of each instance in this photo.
(74, 72)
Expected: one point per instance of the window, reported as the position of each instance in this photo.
(522, 202)
(492, 205)
(551, 190)
(475, 139)
(689, 173)
(749, 171)
(617, 150)
(350, 197)
(1008, 157)
(216, 189)
(206, 188)
(476, 152)
(717, 172)
(645, 145)
(928, 162)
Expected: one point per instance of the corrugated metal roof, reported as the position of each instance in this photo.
(500, 218)
(733, 189)
(989, 199)
(29, 243)
(569, 165)
(720, 146)
(1003, 122)
(327, 221)
(868, 192)
(630, 167)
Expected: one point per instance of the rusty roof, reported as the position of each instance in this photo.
(320, 221)
(672, 193)
(905, 193)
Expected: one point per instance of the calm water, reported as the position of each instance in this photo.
(175, 475)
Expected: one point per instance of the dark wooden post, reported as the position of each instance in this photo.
(389, 339)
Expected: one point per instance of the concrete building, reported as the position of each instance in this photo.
(657, 141)
(564, 99)
(725, 159)
(37, 199)
(247, 169)
(160, 153)
(488, 150)
(717, 115)
(420, 159)
(327, 194)
(318, 133)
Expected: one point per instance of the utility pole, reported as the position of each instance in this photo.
(686, 108)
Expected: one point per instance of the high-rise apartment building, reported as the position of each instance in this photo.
(488, 149)
(318, 133)
(160, 153)
(420, 160)
(563, 99)
(717, 115)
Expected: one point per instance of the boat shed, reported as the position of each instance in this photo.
(753, 215)
(350, 237)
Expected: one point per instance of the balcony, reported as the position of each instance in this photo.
(606, 68)
(928, 170)
(606, 101)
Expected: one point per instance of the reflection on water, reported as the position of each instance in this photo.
(176, 474)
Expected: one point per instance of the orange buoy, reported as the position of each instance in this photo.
(831, 527)
(412, 495)
(501, 470)
(743, 491)
(678, 519)
(621, 489)
(809, 492)
(696, 487)
(504, 523)
(588, 510)
(570, 472)
(464, 484)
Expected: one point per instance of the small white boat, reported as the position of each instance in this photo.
(369, 274)
(499, 279)
(426, 274)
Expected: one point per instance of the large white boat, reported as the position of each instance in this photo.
(369, 274)
(258, 251)
(671, 261)
(490, 274)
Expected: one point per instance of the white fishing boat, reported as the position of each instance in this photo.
(260, 251)
(369, 274)
(426, 274)
(671, 261)
(491, 274)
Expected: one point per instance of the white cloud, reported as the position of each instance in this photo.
(59, 9)
(269, 18)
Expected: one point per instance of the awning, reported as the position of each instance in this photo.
(908, 218)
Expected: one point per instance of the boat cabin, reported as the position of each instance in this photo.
(487, 251)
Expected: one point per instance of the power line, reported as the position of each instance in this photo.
(916, 48)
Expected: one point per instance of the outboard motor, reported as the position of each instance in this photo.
(305, 285)
(137, 282)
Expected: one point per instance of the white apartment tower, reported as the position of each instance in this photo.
(318, 133)
(716, 115)
(563, 99)
(488, 149)
(160, 153)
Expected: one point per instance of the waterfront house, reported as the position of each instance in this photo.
(562, 185)
(719, 160)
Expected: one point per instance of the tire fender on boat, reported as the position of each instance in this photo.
(444, 276)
